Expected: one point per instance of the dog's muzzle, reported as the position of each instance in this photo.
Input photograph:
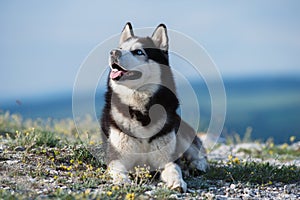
(119, 73)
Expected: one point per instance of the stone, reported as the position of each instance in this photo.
(20, 148)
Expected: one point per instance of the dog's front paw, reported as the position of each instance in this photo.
(178, 185)
(172, 176)
(118, 173)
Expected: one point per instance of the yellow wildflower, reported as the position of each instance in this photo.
(271, 152)
(63, 167)
(92, 142)
(236, 160)
(284, 146)
(292, 138)
(98, 170)
(129, 196)
(148, 175)
(270, 183)
(87, 191)
(108, 193)
(115, 187)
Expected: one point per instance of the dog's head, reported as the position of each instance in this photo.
(138, 61)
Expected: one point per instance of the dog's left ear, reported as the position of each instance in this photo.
(160, 37)
(126, 33)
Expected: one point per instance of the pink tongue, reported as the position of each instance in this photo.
(116, 74)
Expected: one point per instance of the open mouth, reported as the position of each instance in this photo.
(120, 73)
(117, 71)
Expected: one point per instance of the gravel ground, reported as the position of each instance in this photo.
(16, 176)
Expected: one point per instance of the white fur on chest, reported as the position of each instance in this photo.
(135, 152)
(135, 127)
(135, 99)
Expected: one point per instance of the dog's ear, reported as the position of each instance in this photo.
(160, 37)
(126, 33)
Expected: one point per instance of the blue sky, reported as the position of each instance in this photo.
(43, 43)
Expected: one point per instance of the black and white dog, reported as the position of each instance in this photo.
(139, 119)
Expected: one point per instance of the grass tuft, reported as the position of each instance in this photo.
(253, 172)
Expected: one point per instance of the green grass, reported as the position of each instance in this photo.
(253, 172)
(53, 152)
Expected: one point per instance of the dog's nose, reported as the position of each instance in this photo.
(116, 53)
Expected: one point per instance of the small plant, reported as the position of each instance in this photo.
(141, 175)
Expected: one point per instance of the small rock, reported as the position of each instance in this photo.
(246, 191)
(247, 196)
(191, 190)
(210, 196)
(53, 172)
(12, 162)
(160, 184)
(63, 187)
(286, 189)
(221, 197)
(150, 193)
(212, 189)
(232, 186)
(20, 148)
(173, 196)
(32, 180)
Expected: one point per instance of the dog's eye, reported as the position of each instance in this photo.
(138, 52)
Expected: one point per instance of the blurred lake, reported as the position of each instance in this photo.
(270, 106)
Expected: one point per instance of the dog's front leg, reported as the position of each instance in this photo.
(118, 172)
(173, 177)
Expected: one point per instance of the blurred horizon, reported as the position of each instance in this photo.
(270, 106)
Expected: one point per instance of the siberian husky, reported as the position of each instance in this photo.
(139, 119)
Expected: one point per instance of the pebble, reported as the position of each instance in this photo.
(210, 196)
(221, 197)
(20, 148)
(12, 162)
(190, 190)
(150, 193)
(286, 189)
(173, 196)
(212, 189)
(232, 186)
